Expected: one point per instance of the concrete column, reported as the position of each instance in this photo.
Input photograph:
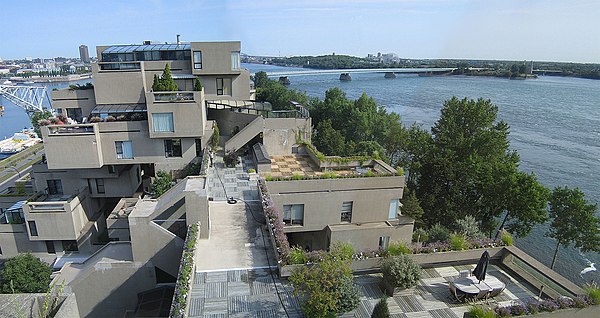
(345, 77)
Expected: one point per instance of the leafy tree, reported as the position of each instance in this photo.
(326, 287)
(35, 120)
(279, 96)
(328, 140)
(573, 221)
(381, 309)
(25, 273)
(411, 206)
(197, 84)
(260, 79)
(157, 85)
(162, 183)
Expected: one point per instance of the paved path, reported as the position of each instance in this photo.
(231, 182)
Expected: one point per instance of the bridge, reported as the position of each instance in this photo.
(345, 73)
(30, 98)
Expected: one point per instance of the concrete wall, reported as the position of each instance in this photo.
(72, 150)
(279, 135)
(188, 117)
(323, 198)
(363, 237)
(216, 57)
(119, 86)
(66, 98)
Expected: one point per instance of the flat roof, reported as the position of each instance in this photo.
(148, 47)
(289, 165)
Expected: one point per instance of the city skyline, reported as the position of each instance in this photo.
(495, 30)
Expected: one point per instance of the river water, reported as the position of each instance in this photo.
(555, 127)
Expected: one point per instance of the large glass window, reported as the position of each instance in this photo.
(197, 60)
(347, 212)
(293, 214)
(163, 122)
(393, 214)
(32, 228)
(124, 149)
(75, 114)
(54, 186)
(173, 148)
(223, 86)
(235, 60)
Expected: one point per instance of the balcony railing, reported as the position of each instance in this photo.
(70, 129)
(173, 96)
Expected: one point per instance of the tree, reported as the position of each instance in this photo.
(411, 206)
(165, 83)
(381, 309)
(328, 140)
(216, 137)
(197, 84)
(157, 85)
(162, 183)
(326, 287)
(573, 221)
(260, 79)
(401, 271)
(35, 120)
(25, 273)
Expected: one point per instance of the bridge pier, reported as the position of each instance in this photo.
(284, 80)
(345, 77)
(389, 75)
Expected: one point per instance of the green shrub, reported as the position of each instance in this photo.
(457, 242)
(438, 233)
(398, 248)
(269, 178)
(401, 271)
(25, 273)
(381, 309)
(507, 238)
(297, 256)
(349, 295)
(342, 250)
(329, 175)
(400, 171)
(251, 170)
(469, 228)
(216, 137)
(369, 174)
(297, 176)
(594, 293)
(420, 235)
(161, 184)
(481, 312)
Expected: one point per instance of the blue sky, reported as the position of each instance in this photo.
(482, 29)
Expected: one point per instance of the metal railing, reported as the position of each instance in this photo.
(173, 96)
(70, 129)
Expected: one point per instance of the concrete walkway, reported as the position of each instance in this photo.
(231, 182)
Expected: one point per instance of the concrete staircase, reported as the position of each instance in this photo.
(254, 128)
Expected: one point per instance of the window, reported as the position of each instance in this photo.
(0, 250)
(50, 247)
(393, 209)
(54, 186)
(100, 186)
(70, 246)
(198, 60)
(235, 60)
(293, 214)
(162, 122)
(198, 147)
(347, 212)
(384, 242)
(75, 113)
(112, 169)
(124, 150)
(32, 228)
(223, 86)
(172, 148)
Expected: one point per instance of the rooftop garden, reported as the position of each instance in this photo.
(183, 285)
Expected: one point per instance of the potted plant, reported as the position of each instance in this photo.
(400, 272)
(95, 119)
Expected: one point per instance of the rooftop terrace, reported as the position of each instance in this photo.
(304, 165)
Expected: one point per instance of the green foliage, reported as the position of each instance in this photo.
(297, 256)
(51, 300)
(458, 242)
(197, 84)
(184, 277)
(278, 95)
(573, 220)
(35, 120)
(230, 159)
(79, 87)
(506, 238)
(161, 184)
(401, 271)
(297, 176)
(469, 228)
(325, 287)
(398, 248)
(342, 250)
(25, 273)
(381, 309)
(527, 204)
(251, 170)
(216, 136)
(328, 139)
(420, 235)
(411, 206)
(438, 233)
(260, 79)
(594, 293)
(481, 312)
(165, 83)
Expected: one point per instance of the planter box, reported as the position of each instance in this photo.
(588, 312)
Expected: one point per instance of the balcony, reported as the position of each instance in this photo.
(72, 146)
(70, 129)
(173, 97)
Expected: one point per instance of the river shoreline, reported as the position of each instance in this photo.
(55, 79)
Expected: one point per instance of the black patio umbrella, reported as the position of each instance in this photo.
(481, 268)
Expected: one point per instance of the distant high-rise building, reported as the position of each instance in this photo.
(84, 55)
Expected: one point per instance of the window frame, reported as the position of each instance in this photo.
(54, 187)
(197, 65)
(384, 242)
(348, 217)
(171, 146)
(119, 145)
(100, 185)
(288, 214)
(171, 124)
(32, 229)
